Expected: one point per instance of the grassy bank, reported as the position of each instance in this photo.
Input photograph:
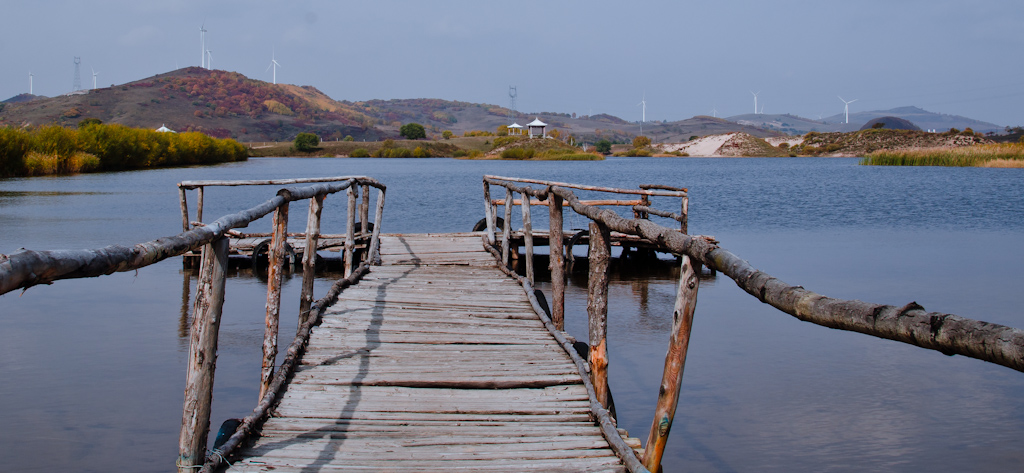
(94, 148)
(987, 155)
(364, 149)
(519, 148)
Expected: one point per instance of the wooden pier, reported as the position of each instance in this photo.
(431, 354)
(434, 361)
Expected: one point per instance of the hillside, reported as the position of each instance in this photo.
(219, 103)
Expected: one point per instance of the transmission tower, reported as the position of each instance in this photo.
(512, 94)
(78, 75)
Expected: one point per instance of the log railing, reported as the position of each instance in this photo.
(947, 333)
(26, 268)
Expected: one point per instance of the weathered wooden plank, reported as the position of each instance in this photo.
(435, 361)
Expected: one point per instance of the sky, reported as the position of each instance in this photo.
(683, 58)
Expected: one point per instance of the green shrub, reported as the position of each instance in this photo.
(306, 142)
(603, 146)
(641, 142)
(412, 131)
(359, 153)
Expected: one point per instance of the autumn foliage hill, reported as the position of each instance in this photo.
(220, 104)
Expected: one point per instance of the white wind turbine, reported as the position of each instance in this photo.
(30, 76)
(643, 116)
(714, 112)
(209, 59)
(755, 100)
(94, 74)
(273, 64)
(846, 107)
(202, 45)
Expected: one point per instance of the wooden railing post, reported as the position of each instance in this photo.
(556, 263)
(675, 361)
(199, 203)
(316, 205)
(506, 233)
(183, 201)
(374, 253)
(364, 211)
(597, 308)
(350, 232)
(274, 269)
(489, 213)
(527, 235)
(202, 356)
(684, 223)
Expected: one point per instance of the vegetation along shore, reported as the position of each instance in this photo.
(95, 147)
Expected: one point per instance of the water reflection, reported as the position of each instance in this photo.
(92, 367)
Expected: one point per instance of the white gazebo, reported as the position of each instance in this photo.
(164, 129)
(515, 129)
(536, 128)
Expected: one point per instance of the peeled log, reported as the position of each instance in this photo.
(946, 333)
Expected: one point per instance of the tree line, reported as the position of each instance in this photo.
(96, 147)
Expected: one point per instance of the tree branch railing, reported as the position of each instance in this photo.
(25, 268)
(947, 333)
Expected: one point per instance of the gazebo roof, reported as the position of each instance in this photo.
(537, 122)
(515, 125)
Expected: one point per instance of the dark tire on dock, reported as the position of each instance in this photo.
(499, 225)
(261, 252)
(575, 240)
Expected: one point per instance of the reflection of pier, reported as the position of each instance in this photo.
(431, 354)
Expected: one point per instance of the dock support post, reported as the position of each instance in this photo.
(556, 263)
(274, 270)
(374, 253)
(199, 204)
(597, 308)
(183, 201)
(675, 361)
(364, 212)
(316, 206)
(202, 356)
(506, 233)
(350, 232)
(527, 236)
(489, 213)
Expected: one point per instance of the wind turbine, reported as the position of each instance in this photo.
(274, 64)
(846, 107)
(755, 100)
(643, 116)
(94, 74)
(202, 45)
(30, 75)
(209, 59)
(714, 112)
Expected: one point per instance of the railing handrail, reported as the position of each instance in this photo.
(644, 189)
(947, 333)
(269, 182)
(27, 268)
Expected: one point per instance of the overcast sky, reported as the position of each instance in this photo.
(587, 57)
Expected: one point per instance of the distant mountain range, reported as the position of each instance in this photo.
(795, 125)
(228, 104)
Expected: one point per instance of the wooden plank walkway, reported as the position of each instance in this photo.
(435, 361)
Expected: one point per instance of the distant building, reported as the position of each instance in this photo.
(164, 129)
(515, 129)
(536, 128)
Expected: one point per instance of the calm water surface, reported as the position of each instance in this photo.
(93, 370)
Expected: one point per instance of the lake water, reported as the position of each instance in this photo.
(92, 371)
